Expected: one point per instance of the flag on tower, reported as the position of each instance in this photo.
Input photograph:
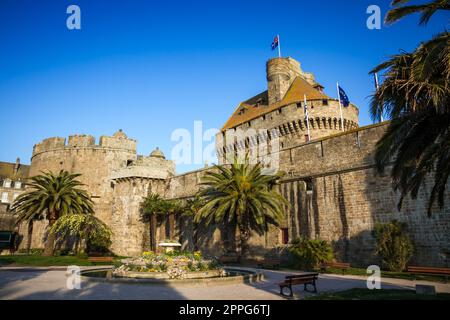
(275, 42)
(343, 97)
(305, 108)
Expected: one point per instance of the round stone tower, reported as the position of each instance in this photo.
(95, 162)
(280, 74)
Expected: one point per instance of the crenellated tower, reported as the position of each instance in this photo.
(279, 112)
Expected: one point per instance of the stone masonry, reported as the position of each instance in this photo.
(331, 183)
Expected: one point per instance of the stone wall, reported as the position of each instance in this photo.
(103, 168)
(335, 194)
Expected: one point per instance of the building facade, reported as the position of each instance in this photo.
(331, 182)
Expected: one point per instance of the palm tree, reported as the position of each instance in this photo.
(30, 227)
(242, 197)
(415, 94)
(426, 10)
(53, 196)
(154, 206)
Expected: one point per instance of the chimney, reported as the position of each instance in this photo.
(17, 166)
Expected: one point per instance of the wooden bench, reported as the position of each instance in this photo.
(274, 263)
(430, 271)
(305, 279)
(337, 265)
(101, 259)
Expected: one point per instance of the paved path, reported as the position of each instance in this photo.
(27, 283)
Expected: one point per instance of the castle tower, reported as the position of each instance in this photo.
(281, 72)
(279, 113)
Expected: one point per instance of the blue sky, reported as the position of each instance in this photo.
(151, 67)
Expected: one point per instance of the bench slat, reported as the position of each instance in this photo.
(443, 271)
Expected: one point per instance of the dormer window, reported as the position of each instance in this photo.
(4, 198)
(7, 183)
(242, 111)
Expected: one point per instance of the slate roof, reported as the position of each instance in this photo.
(7, 171)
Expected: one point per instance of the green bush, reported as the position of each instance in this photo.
(394, 245)
(309, 253)
(33, 251)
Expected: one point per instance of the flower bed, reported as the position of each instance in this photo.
(177, 265)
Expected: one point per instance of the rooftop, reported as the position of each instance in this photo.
(8, 171)
(258, 105)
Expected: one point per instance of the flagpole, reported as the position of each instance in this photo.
(279, 46)
(340, 105)
(307, 117)
(377, 86)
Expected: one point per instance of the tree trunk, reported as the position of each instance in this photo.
(30, 235)
(243, 239)
(171, 226)
(50, 243)
(153, 232)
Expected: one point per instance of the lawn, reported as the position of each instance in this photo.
(384, 294)
(387, 274)
(41, 261)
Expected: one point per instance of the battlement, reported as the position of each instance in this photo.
(118, 141)
(81, 141)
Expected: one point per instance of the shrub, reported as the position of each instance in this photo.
(308, 253)
(83, 228)
(394, 245)
(33, 251)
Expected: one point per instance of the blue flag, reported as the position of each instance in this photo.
(275, 43)
(344, 98)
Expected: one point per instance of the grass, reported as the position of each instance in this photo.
(384, 294)
(387, 274)
(41, 261)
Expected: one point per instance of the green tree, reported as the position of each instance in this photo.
(87, 230)
(242, 197)
(415, 95)
(310, 253)
(154, 206)
(393, 245)
(53, 196)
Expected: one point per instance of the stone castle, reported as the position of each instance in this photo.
(331, 182)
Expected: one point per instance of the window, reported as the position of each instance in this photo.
(7, 183)
(15, 195)
(284, 235)
(325, 102)
(18, 185)
(5, 197)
